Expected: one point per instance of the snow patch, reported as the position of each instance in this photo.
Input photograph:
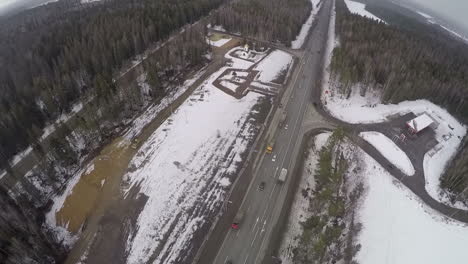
(321, 140)
(360, 9)
(389, 150)
(89, 169)
(399, 228)
(218, 43)
(301, 37)
(272, 66)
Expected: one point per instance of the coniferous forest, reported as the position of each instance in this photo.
(55, 55)
(272, 20)
(406, 61)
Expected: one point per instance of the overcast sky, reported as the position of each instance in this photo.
(455, 11)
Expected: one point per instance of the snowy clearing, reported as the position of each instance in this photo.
(399, 228)
(300, 206)
(301, 37)
(218, 43)
(184, 168)
(141, 121)
(389, 150)
(360, 9)
(273, 65)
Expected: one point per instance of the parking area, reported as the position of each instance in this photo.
(414, 145)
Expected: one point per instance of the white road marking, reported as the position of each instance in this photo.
(255, 236)
(256, 221)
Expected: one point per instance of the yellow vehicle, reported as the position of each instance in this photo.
(269, 148)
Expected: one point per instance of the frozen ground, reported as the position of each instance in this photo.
(299, 210)
(185, 168)
(300, 39)
(360, 9)
(398, 228)
(389, 150)
(273, 65)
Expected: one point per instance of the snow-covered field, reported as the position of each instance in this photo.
(389, 150)
(270, 67)
(300, 207)
(301, 37)
(398, 228)
(184, 169)
(360, 9)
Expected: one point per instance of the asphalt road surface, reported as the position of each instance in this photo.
(262, 207)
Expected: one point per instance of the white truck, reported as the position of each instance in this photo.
(282, 176)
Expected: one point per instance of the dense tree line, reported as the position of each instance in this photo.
(329, 234)
(272, 20)
(53, 56)
(408, 61)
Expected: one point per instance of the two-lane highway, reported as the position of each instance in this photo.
(262, 207)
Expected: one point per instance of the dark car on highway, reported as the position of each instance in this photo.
(261, 187)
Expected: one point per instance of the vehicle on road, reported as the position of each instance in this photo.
(286, 127)
(282, 119)
(269, 148)
(261, 187)
(282, 176)
(274, 158)
(237, 219)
